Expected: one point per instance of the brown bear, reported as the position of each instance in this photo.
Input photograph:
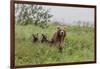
(58, 38)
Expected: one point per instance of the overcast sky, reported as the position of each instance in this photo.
(71, 14)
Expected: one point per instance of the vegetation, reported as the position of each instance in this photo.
(29, 19)
(78, 46)
(32, 14)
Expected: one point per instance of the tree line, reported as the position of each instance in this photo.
(32, 14)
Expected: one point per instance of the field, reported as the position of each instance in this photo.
(78, 46)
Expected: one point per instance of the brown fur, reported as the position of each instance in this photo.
(58, 38)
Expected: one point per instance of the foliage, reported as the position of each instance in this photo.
(78, 46)
(32, 14)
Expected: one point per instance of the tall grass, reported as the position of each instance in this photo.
(78, 46)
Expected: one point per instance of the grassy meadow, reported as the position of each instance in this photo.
(78, 46)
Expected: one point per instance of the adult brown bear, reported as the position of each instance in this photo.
(58, 38)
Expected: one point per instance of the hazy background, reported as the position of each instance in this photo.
(71, 15)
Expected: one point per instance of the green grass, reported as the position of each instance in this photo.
(78, 46)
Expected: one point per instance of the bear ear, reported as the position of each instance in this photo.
(65, 27)
(32, 34)
(58, 27)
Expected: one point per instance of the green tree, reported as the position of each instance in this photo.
(32, 14)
